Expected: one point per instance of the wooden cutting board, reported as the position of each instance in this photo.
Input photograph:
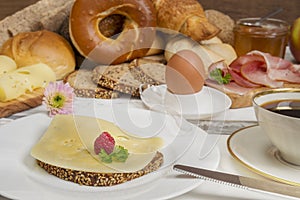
(245, 100)
(25, 102)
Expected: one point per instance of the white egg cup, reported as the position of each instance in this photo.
(183, 103)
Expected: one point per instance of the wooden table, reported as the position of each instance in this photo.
(234, 8)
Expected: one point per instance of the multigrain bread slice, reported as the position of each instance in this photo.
(148, 59)
(117, 78)
(150, 73)
(81, 81)
(150, 69)
(101, 179)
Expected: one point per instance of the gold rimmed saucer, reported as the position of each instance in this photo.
(251, 147)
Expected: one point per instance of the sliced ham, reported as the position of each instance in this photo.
(272, 62)
(240, 80)
(256, 71)
(279, 69)
(285, 75)
(246, 59)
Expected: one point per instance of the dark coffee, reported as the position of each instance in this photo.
(287, 107)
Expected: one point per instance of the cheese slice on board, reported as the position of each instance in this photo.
(68, 143)
(16, 83)
(7, 64)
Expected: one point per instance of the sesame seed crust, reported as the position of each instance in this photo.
(100, 179)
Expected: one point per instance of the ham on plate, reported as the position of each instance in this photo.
(258, 69)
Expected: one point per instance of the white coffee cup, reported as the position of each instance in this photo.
(282, 130)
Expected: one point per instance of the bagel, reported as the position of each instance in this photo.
(130, 39)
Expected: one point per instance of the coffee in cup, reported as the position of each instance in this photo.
(278, 115)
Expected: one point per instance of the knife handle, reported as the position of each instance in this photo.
(271, 186)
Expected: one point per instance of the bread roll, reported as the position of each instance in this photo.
(223, 22)
(29, 48)
(32, 18)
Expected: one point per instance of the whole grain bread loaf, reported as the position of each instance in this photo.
(81, 81)
(101, 179)
(223, 22)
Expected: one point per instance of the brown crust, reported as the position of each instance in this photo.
(100, 179)
(31, 18)
(86, 36)
(139, 67)
(117, 78)
(118, 86)
(186, 17)
(29, 48)
(81, 81)
(223, 22)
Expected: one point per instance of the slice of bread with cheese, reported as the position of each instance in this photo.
(66, 151)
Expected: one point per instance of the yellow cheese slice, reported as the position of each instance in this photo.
(7, 64)
(16, 83)
(224, 50)
(62, 145)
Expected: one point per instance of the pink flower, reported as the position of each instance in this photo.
(58, 98)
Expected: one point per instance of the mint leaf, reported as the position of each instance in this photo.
(218, 76)
(120, 154)
(105, 157)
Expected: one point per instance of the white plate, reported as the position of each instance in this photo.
(252, 148)
(204, 104)
(21, 178)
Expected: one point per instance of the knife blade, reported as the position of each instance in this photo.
(216, 128)
(222, 127)
(240, 181)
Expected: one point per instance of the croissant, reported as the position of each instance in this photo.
(186, 17)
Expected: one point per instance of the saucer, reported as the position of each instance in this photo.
(251, 147)
(204, 104)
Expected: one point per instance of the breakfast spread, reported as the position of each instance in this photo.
(125, 44)
(115, 35)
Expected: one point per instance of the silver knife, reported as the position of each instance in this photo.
(240, 181)
(216, 128)
(222, 127)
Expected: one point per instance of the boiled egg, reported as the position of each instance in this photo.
(185, 73)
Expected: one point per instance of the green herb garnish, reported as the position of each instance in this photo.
(218, 76)
(120, 154)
